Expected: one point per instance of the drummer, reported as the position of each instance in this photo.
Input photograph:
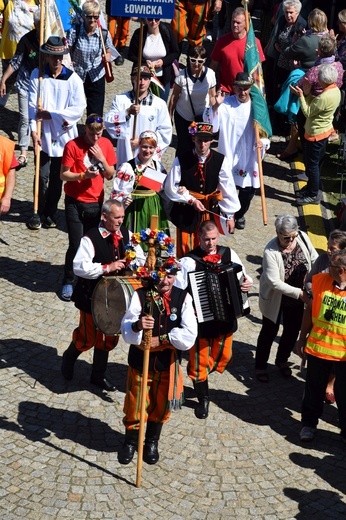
(101, 253)
(173, 328)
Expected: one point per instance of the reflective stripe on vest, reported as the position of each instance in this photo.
(327, 338)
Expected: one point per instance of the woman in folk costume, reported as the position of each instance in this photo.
(167, 313)
(131, 186)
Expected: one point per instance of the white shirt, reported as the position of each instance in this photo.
(182, 337)
(83, 265)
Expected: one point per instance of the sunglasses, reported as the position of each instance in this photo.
(289, 237)
(97, 119)
(92, 17)
(153, 19)
(196, 60)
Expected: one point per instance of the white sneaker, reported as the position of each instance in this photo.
(307, 433)
(302, 177)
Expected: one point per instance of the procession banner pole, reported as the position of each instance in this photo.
(37, 150)
(257, 137)
(147, 335)
(260, 173)
(139, 62)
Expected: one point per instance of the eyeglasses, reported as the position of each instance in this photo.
(289, 237)
(97, 119)
(196, 60)
(92, 17)
(153, 19)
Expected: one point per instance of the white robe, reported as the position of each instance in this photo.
(151, 117)
(65, 101)
(237, 139)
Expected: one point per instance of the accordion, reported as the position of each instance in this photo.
(217, 294)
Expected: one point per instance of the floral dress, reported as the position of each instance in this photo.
(145, 202)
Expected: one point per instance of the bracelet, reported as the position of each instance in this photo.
(191, 201)
(82, 175)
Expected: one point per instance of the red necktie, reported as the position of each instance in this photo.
(166, 299)
(116, 238)
(200, 171)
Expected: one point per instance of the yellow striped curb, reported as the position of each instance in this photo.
(313, 216)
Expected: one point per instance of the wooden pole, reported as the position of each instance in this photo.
(37, 150)
(139, 64)
(260, 173)
(257, 137)
(147, 334)
(108, 65)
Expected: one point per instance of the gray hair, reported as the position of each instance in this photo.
(296, 4)
(327, 73)
(286, 223)
(339, 257)
(107, 206)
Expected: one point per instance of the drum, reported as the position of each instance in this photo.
(110, 300)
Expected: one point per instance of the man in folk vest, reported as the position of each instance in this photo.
(200, 182)
(322, 342)
(101, 252)
(168, 313)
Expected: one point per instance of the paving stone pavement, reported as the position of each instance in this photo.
(59, 440)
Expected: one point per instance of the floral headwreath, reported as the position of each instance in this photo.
(162, 242)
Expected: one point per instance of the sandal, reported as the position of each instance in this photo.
(284, 156)
(262, 376)
(23, 160)
(329, 398)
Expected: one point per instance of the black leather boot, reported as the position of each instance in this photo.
(127, 451)
(202, 391)
(152, 436)
(98, 377)
(68, 360)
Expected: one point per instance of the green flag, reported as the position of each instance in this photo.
(253, 66)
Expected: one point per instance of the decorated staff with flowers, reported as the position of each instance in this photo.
(137, 185)
(213, 348)
(200, 185)
(166, 313)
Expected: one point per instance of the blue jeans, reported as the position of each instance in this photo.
(314, 152)
(317, 374)
(23, 125)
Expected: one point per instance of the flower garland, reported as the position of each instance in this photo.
(163, 265)
(212, 259)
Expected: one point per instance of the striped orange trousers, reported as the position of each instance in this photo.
(209, 355)
(86, 335)
(189, 21)
(156, 398)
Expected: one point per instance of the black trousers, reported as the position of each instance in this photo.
(50, 185)
(95, 95)
(291, 320)
(80, 217)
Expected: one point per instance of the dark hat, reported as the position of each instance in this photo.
(144, 71)
(201, 129)
(54, 45)
(242, 79)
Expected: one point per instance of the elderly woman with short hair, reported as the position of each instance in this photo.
(287, 259)
(319, 113)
